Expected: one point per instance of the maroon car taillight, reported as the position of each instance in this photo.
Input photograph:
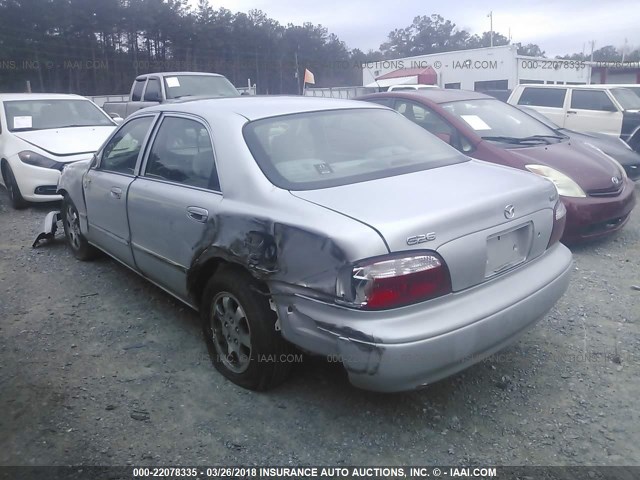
(400, 279)
(559, 221)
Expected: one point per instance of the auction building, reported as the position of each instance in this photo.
(482, 69)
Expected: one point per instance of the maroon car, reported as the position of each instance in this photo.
(595, 189)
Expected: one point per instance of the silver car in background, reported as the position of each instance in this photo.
(335, 226)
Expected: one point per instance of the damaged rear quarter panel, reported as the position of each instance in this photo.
(293, 246)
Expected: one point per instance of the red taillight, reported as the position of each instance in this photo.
(559, 221)
(398, 280)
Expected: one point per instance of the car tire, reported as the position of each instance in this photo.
(240, 330)
(77, 242)
(15, 197)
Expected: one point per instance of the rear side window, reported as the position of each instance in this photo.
(591, 100)
(182, 153)
(543, 97)
(136, 95)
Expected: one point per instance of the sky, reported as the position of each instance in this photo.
(557, 27)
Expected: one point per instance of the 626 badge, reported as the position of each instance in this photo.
(425, 237)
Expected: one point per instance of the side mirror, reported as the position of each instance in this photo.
(116, 118)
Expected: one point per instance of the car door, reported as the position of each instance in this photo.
(592, 110)
(173, 203)
(106, 186)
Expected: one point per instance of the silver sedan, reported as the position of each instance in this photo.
(337, 227)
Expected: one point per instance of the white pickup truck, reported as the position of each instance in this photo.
(154, 88)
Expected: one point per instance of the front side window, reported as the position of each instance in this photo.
(424, 117)
(328, 148)
(627, 98)
(543, 97)
(46, 114)
(120, 155)
(592, 100)
(434, 123)
(182, 153)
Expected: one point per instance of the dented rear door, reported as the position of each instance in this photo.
(173, 204)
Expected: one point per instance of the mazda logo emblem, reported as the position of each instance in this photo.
(509, 211)
(615, 180)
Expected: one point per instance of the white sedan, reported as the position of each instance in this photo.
(39, 135)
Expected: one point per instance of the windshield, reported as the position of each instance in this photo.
(627, 98)
(328, 148)
(495, 120)
(199, 86)
(540, 117)
(44, 114)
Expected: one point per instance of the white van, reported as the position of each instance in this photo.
(610, 109)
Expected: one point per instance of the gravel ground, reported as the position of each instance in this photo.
(99, 367)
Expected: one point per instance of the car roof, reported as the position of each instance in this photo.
(40, 96)
(593, 85)
(176, 74)
(436, 95)
(257, 107)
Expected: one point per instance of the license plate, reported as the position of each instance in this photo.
(508, 249)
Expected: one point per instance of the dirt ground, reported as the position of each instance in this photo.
(99, 367)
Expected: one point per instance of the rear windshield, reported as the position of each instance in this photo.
(314, 150)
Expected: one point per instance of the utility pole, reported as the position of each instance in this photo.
(624, 49)
(297, 75)
(490, 15)
(593, 45)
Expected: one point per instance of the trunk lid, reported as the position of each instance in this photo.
(454, 210)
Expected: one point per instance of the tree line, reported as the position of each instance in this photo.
(97, 47)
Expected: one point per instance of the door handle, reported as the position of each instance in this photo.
(572, 112)
(198, 214)
(116, 192)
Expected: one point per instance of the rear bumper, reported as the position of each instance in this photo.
(409, 347)
(594, 217)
